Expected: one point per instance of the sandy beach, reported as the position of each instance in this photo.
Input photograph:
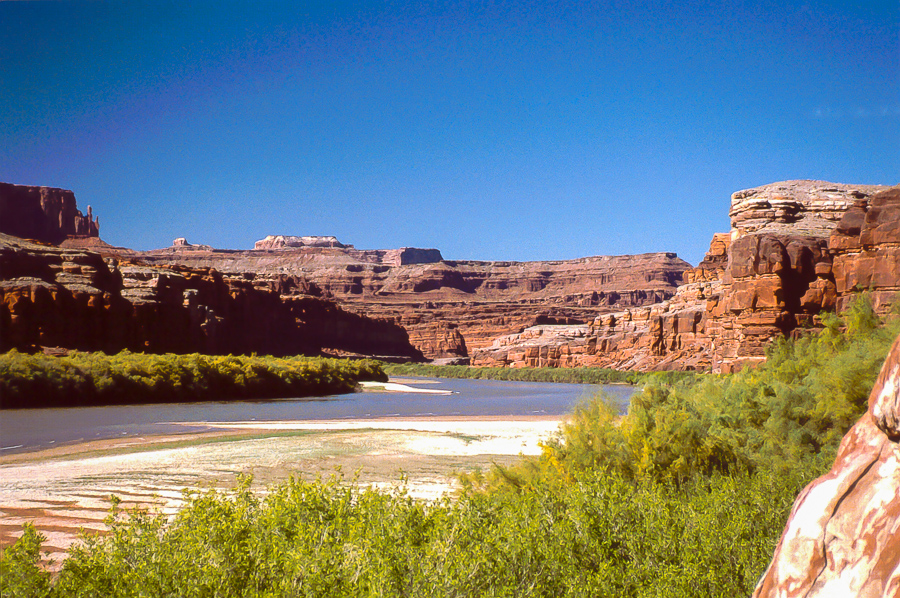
(67, 488)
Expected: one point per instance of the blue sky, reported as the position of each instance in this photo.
(489, 130)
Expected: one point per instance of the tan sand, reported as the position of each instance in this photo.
(68, 488)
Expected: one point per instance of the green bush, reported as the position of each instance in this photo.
(99, 379)
(789, 413)
(582, 375)
(601, 535)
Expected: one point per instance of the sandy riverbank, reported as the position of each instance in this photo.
(68, 487)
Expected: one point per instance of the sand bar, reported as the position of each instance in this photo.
(68, 487)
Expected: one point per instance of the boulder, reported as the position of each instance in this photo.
(843, 534)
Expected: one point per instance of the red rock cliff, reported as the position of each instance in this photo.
(44, 214)
(59, 297)
(451, 308)
(770, 275)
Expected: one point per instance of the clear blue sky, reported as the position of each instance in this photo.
(489, 130)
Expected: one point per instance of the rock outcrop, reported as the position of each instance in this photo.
(286, 241)
(666, 335)
(770, 275)
(451, 308)
(44, 214)
(866, 250)
(59, 297)
(843, 534)
(779, 275)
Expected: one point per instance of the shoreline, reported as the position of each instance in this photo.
(66, 488)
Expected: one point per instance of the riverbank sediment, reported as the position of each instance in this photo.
(68, 488)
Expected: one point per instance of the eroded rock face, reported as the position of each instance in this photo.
(843, 535)
(771, 274)
(285, 241)
(666, 335)
(779, 274)
(802, 208)
(866, 250)
(44, 213)
(451, 308)
(58, 297)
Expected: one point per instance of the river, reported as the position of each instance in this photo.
(23, 430)
(60, 466)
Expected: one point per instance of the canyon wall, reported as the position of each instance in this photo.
(450, 308)
(795, 249)
(76, 299)
(44, 214)
(779, 272)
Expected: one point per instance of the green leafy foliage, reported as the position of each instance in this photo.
(789, 413)
(582, 375)
(601, 535)
(20, 573)
(99, 379)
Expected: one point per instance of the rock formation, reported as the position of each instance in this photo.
(44, 214)
(286, 241)
(795, 249)
(451, 308)
(769, 276)
(843, 534)
(778, 276)
(866, 250)
(665, 335)
(59, 297)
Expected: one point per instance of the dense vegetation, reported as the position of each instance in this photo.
(582, 375)
(787, 415)
(684, 496)
(99, 379)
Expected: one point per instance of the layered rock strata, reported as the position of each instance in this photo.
(451, 308)
(44, 214)
(843, 534)
(866, 250)
(770, 275)
(779, 272)
(58, 297)
(666, 335)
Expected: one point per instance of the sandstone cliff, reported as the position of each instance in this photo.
(866, 250)
(843, 534)
(779, 274)
(450, 308)
(59, 297)
(44, 214)
(770, 275)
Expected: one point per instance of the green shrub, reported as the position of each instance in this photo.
(99, 379)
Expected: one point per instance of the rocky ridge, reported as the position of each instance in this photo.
(795, 249)
(44, 214)
(770, 275)
(450, 308)
(75, 299)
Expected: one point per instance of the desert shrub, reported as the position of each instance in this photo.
(20, 573)
(582, 375)
(789, 413)
(601, 534)
(97, 379)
